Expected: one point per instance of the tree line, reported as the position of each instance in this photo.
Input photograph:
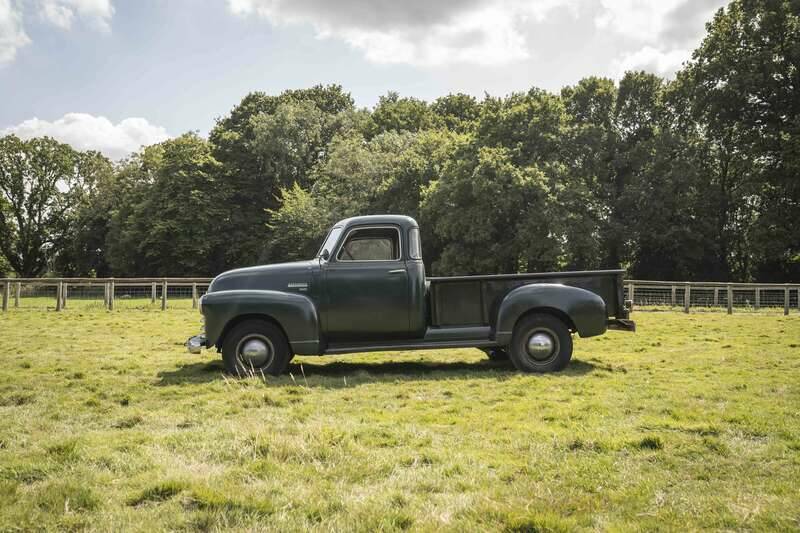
(693, 178)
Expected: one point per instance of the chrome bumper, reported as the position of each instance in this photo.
(195, 344)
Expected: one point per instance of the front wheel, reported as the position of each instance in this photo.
(540, 343)
(255, 346)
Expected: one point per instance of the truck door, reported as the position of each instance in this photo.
(366, 285)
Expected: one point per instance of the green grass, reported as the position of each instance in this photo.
(106, 423)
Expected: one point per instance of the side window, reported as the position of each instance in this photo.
(371, 244)
(414, 248)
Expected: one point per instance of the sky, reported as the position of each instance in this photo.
(114, 75)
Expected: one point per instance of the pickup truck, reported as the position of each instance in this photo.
(366, 290)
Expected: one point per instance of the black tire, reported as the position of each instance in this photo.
(550, 329)
(496, 354)
(274, 360)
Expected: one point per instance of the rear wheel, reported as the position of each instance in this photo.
(255, 346)
(540, 343)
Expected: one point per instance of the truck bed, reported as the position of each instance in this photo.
(474, 300)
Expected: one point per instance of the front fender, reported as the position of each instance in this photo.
(585, 310)
(295, 313)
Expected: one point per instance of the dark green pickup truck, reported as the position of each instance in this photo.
(366, 291)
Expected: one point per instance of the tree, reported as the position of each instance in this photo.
(168, 224)
(39, 180)
(490, 215)
(457, 112)
(397, 114)
(744, 114)
(288, 142)
(263, 145)
(81, 250)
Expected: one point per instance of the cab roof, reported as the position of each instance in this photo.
(399, 220)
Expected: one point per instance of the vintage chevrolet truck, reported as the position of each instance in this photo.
(366, 290)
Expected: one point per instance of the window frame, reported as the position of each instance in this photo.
(325, 240)
(419, 244)
(379, 226)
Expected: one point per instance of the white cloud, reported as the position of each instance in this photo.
(647, 58)
(12, 34)
(417, 32)
(61, 13)
(655, 35)
(664, 32)
(88, 132)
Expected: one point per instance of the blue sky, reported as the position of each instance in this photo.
(113, 74)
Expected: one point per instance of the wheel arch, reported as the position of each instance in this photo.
(552, 311)
(581, 310)
(294, 314)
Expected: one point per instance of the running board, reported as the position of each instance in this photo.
(406, 345)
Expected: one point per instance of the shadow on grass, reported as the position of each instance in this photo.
(371, 372)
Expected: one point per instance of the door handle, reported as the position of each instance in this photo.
(397, 271)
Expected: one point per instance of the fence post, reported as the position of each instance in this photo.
(164, 295)
(672, 296)
(786, 300)
(716, 296)
(105, 295)
(59, 300)
(6, 289)
(758, 298)
(64, 290)
(687, 296)
(111, 295)
(17, 293)
(153, 292)
(194, 295)
(730, 299)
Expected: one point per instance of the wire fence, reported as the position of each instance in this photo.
(712, 296)
(167, 293)
(88, 293)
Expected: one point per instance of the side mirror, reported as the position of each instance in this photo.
(325, 254)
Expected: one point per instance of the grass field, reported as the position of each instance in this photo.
(106, 423)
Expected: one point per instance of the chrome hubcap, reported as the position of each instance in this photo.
(540, 346)
(255, 351)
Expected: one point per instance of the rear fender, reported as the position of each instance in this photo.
(585, 310)
(294, 313)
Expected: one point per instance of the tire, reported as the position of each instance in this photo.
(549, 329)
(496, 354)
(255, 335)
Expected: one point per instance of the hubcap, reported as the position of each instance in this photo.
(255, 351)
(540, 346)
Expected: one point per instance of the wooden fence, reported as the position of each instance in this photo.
(58, 293)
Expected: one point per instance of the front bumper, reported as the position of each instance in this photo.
(195, 344)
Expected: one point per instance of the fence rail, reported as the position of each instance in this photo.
(112, 293)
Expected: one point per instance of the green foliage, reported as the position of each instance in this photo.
(503, 224)
(169, 223)
(397, 114)
(41, 181)
(693, 178)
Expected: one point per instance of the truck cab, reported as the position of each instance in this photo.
(366, 290)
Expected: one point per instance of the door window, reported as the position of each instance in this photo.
(371, 244)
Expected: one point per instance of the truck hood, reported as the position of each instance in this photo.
(276, 277)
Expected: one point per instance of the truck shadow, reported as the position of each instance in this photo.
(366, 372)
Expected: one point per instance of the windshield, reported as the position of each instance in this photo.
(330, 240)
